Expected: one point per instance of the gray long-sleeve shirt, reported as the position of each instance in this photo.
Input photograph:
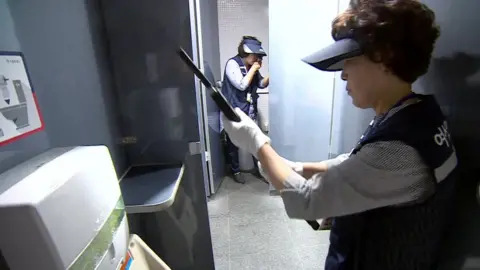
(380, 174)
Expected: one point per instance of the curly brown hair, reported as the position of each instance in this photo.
(241, 51)
(401, 34)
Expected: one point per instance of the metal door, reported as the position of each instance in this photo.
(209, 59)
(160, 106)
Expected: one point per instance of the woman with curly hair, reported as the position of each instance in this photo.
(391, 196)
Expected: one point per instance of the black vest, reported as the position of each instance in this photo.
(239, 98)
(401, 237)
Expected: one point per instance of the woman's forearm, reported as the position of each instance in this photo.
(312, 168)
(274, 166)
(277, 170)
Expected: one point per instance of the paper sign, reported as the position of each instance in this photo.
(19, 111)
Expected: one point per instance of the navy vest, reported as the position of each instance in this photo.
(239, 98)
(401, 237)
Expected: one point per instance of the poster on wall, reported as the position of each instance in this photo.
(19, 112)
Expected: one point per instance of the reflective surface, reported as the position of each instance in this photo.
(454, 78)
(300, 96)
(155, 90)
(151, 188)
(158, 107)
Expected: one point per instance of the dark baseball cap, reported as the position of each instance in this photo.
(253, 46)
(332, 57)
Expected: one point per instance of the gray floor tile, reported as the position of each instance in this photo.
(256, 237)
(283, 259)
(305, 236)
(222, 262)
(263, 217)
(219, 230)
(257, 186)
(242, 203)
(231, 186)
(253, 185)
(251, 230)
(219, 205)
(313, 257)
(223, 188)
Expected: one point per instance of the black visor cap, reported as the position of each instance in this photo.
(332, 57)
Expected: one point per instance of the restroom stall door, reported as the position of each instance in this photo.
(209, 59)
(454, 79)
(301, 97)
(157, 93)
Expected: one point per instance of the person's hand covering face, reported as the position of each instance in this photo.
(245, 134)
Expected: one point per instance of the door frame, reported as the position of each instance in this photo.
(197, 49)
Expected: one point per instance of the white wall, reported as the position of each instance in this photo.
(301, 97)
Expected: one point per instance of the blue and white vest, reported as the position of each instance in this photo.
(239, 98)
(401, 237)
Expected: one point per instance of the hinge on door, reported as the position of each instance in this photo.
(194, 148)
(207, 156)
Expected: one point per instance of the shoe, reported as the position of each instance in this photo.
(238, 177)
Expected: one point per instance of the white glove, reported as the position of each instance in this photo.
(296, 167)
(245, 134)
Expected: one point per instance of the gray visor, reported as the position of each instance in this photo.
(254, 46)
(332, 57)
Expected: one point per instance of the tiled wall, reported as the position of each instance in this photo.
(237, 18)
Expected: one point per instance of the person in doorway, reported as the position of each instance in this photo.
(241, 80)
(391, 196)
